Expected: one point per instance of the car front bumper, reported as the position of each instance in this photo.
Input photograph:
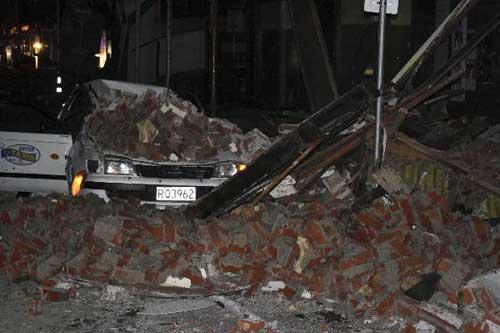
(144, 189)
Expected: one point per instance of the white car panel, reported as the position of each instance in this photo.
(33, 162)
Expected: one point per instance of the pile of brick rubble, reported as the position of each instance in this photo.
(160, 129)
(303, 250)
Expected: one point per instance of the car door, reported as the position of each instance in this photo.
(32, 153)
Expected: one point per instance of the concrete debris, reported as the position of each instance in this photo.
(285, 188)
(336, 184)
(147, 131)
(176, 282)
(305, 255)
(390, 181)
(249, 321)
(146, 127)
(424, 327)
(306, 294)
(112, 293)
(274, 286)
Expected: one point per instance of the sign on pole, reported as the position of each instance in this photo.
(373, 6)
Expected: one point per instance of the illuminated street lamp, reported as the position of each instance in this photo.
(37, 47)
(8, 54)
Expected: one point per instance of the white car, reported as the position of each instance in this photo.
(33, 162)
(33, 151)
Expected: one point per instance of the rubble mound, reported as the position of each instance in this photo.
(303, 250)
(158, 128)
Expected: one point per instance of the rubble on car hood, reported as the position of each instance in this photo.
(142, 122)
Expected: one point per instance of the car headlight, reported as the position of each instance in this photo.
(77, 183)
(226, 170)
(120, 168)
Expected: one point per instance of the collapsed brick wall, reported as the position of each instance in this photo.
(367, 265)
(152, 127)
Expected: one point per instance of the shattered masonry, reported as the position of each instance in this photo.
(152, 127)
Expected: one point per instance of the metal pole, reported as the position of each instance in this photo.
(213, 60)
(168, 46)
(137, 38)
(380, 80)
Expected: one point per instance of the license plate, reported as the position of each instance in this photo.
(171, 193)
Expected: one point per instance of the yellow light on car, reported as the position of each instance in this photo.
(77, 184)
(242, 167)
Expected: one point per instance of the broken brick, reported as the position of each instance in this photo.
(315, 233)
(407, 211)
(385, 305)
(370, 222)
(109, 229)
(480, 229)
(247, 325)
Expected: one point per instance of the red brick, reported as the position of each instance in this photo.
(418, 263)
(370, 221)
(194, 275)
(35, 308)
(471, 327)
(248, 213)
(495, 249)
(170, 258)
(386, 305)
(453, 298)
(363, 235)
(486, 299)
(400, 247)
(123, 260)
(157, 232)
(128, 276)
(315, 210)
(360, 259)
(425, 220)
(257, 275)
(135, 224)
(436, 198)
(480, 229)
(395, 206)
(260, 230)
(409, 329)
(24, 213)
(443, 265)
(250, 326)
(468, 296)
(170, 233)
(381, 212)
(214, 233)
(394, 234)
(315, 233)
(407, 211)
(288, 292)
(54, 295)
(138, 245)
(5, 218)
(152, 277)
